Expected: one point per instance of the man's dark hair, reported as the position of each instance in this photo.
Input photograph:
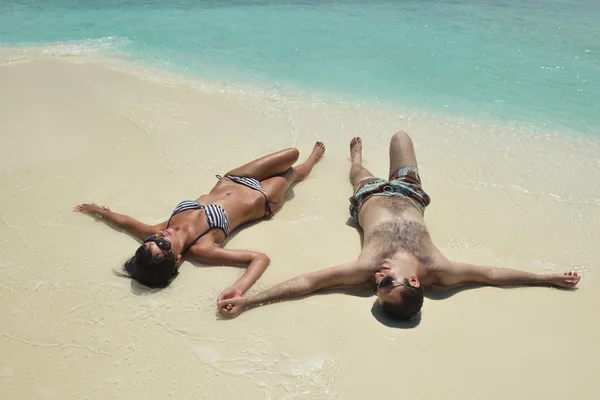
(154, 272)
(408, 307)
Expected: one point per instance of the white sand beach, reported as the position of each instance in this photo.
(77, 130)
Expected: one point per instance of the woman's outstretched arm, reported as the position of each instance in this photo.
(255, 263)
(121, 221)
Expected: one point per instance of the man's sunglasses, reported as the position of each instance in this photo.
(388, 281)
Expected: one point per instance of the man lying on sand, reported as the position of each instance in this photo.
(198, 228)
(398, 254)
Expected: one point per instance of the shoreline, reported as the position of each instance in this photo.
(76, 51)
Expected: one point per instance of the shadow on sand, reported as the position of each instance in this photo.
(383, 318)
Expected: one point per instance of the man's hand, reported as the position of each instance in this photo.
(229, 294)
(567, 280)
(230, 308)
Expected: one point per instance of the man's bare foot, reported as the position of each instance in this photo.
(567, 280)
(356, 150)
(318, 151)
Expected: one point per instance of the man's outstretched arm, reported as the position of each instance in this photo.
(457, 273)
(341, 275)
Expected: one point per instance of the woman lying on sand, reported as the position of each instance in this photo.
(198, 228)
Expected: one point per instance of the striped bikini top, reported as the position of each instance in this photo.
(215, 217)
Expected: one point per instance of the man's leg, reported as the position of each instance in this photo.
(277, 186)
(357, 171)
(268, 166)
(402, 152)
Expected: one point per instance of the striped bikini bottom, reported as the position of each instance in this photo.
(253, 184)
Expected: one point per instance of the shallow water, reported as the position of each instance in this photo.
(533, 63)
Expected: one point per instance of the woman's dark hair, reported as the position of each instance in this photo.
(154, 272)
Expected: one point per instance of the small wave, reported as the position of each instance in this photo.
(87, 46)
(108, 44)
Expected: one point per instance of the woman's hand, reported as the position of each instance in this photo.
(229, 294)
(120, 221)
(93, 210)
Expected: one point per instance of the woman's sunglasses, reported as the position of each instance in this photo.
(389, 281)
(162, 243)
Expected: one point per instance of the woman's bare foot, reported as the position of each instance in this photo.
(302, 170)
(356, 150)
(318, 151)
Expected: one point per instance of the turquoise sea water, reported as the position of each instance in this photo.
(536, 62)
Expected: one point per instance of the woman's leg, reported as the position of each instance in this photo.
(268, 166)
(277, 186)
